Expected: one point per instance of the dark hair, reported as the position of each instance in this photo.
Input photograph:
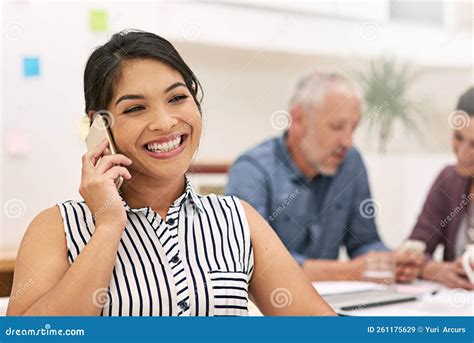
(466, 102)
(104, 66)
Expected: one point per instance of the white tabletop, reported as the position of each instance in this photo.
(445, 301)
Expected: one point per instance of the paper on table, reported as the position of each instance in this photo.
(340, 287)
(419, 287)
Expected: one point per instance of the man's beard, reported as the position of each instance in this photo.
(321, 168)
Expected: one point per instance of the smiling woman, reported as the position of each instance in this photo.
(155, 247)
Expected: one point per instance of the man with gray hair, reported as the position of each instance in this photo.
(311, 184)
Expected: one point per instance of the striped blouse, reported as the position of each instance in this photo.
(198, 261)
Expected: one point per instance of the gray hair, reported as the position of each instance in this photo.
(310, 89)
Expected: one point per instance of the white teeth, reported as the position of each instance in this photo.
(164, 147)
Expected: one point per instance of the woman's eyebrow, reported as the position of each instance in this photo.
(174, 85)
(135, 96)
(129, 97)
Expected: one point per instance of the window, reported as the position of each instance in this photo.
(428, 12)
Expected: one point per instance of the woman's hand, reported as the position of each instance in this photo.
(451, 274)
(98, 186)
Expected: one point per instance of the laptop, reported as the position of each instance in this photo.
(358, 300)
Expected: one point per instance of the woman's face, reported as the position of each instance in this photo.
(156, 122)
(463, 146)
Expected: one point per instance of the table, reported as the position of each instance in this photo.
(445, 301)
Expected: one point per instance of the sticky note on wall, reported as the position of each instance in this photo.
(31, 66)
(98, 20)
(17, 142)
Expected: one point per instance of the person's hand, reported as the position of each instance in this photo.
(98, 186)
(451, 274)
(409, 265)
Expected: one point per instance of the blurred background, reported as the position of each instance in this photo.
(248, 56)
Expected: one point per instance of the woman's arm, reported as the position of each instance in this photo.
(278, 285)
(435, 208)
(45, 284)
(54, 287)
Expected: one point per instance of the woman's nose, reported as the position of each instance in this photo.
(162, 122)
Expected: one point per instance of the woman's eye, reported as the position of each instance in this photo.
(178, 98)
(134, 109)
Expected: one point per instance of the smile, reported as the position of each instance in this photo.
(166, 147)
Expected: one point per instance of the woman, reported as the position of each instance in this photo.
(448, 215)
(159, 248)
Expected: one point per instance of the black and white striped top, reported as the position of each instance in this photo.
(197, 261)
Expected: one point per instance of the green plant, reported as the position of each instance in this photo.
(386, 88)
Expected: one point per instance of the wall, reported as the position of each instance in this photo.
(247, 71)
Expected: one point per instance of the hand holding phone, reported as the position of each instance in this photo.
(98, 188)
(102, 174)
(100, 130)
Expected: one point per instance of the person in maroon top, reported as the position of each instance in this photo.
(447, 216)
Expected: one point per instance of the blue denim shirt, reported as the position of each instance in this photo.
(313, 217)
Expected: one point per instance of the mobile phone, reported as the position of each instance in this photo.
(100, 129)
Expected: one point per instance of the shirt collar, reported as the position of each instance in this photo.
(189, 195)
